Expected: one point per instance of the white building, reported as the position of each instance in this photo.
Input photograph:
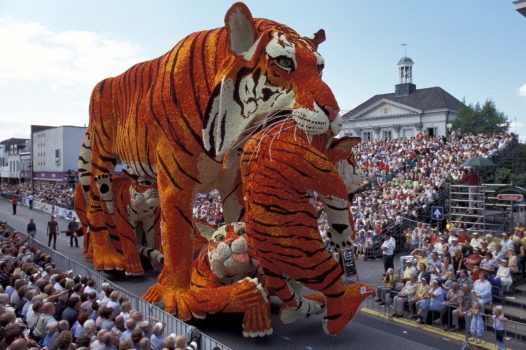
(403, 113)
(11, 169)
(55, 151)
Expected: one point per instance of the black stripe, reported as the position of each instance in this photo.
(168, 173)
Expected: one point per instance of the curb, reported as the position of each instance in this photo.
(430, 329)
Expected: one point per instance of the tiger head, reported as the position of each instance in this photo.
(144, 196)
(272, 73)
(228, 252)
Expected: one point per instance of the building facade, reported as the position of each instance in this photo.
(405, 112)
(55, 151)
(11, 168)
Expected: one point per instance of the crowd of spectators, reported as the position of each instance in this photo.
(452, 276)
(403, 176)
(51, 193)
(43, 308)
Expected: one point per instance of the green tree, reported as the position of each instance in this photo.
(477, 119)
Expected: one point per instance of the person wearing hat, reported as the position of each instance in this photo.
(434, 303)
(475, 241)
(504, 275)
(52, 232)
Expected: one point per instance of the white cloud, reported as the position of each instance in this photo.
(32, 52)
(522, 90)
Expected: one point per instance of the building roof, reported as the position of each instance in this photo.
(13, 141)
(405, 60)
(422, 99)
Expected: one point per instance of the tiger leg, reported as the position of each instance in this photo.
(294, 305)
(100, 214)
(82, 190)
(127, 235)
(342, 303)
(80, 208)
(231, 190)
(176, 198)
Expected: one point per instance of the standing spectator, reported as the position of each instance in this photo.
(498, 326)
(31, 228)
(157, 338)
(52, 232)
(477, 322)
(14, 203)
(30, 199)
(388, 248)
(73, 227)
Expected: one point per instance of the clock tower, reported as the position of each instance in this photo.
(405, 85)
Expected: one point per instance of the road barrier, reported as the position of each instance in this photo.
(172, 324)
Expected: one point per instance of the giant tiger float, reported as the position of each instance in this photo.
(243, 109)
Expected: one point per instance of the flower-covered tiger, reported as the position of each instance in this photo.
(282, 168)
(173, 118)
(137, 218)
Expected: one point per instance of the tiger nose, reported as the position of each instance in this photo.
(333, 112)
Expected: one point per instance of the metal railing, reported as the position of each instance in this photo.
(514, 332)
(172, 324)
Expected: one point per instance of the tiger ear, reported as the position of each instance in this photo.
(241, 28)
(206, 230)
(134, 177)
(317, 38)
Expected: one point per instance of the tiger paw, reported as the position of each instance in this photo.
(340, 311)
(103, 182)
(256, 321)
(247, 293)
(176, 300)
(106, 258)
(312, 304)
(133, 269)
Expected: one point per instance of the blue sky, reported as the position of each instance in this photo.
(53, 52)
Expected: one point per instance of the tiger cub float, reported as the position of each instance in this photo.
(281, 168)
(136, 228)
(173, 118)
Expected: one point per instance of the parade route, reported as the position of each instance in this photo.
(364, 332)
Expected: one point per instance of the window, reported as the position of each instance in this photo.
(57, 156)
(386, 135)
(366, 136)
(431, 132)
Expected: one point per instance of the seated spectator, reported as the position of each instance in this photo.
(488, 264)
(422, 293)
(482, 289)
(513, 261)
(475, 241)
(389, 283)
(130, 327)
(157, 338)
(463, 278)
(453, 300)
(462, 312)
(407, 293)
(434, 303)
(504, 276)
(409, 270)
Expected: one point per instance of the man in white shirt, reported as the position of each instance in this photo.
(475, 241)
(388, 247)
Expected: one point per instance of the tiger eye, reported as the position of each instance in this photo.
(285, 62)
(219, 237)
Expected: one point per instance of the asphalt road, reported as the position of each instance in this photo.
(364, 332)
